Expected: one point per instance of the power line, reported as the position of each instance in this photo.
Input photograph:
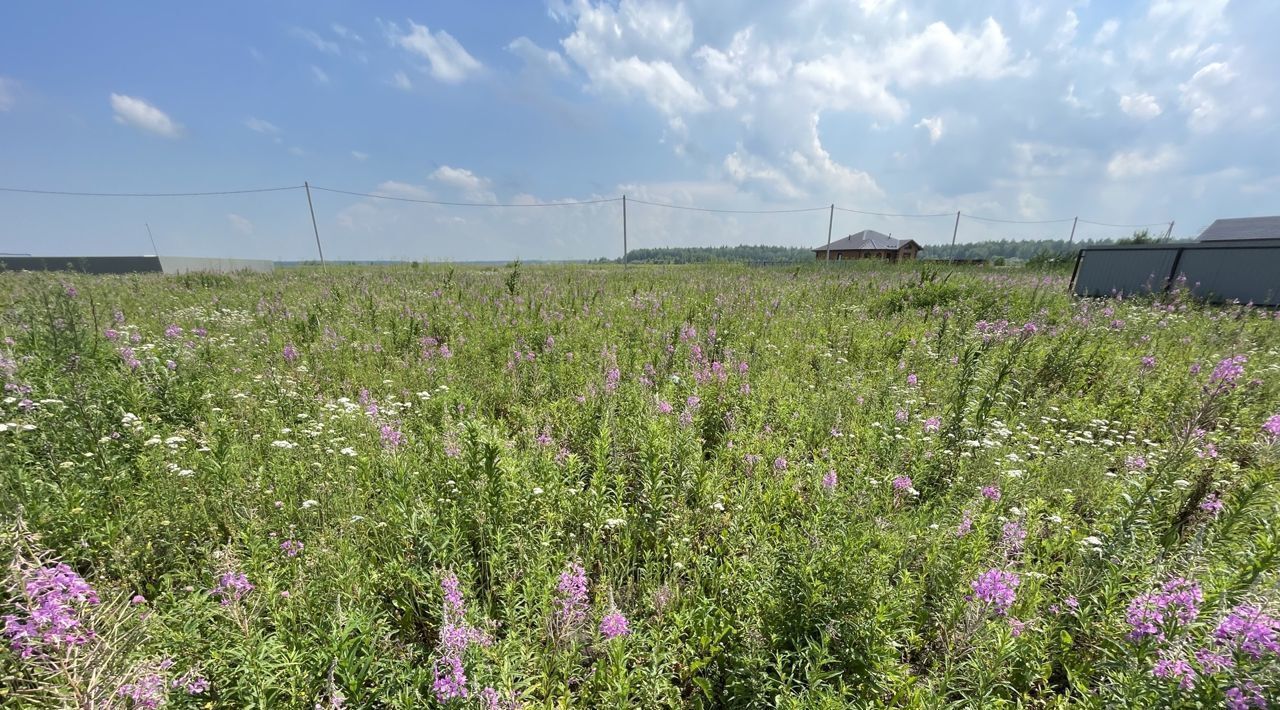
(1125, 226)
(468, 204)
(146, 194)
(890, 214)
(725, 211)
(1017, 221)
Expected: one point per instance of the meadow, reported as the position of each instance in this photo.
(584, 486)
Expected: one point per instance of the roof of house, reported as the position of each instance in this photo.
(867, 239)
(1242, 228)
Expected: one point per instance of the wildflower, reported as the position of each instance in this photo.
(912, 379)
(291, 548)
(966, 525)
(1013, 535)
(1228, 370)
(50, 611)
(1211, 662)
(1175, 669)
(1212, 504)
(1135, 462)
(138, 600)
(1016, 627)
(932, 424)
(173, 331)
(452, 682)
(996, 588)
(902, 483)
(1147, 612)
(1148, 363)
(1272, 426)
(1243, 698)
(830, 480)
(290, 353)
(149, 690)
(613, 625)
(1249, 630)
(571, 597)
(900, 415)
(1072, 602)
(780, 464)
(991, 492)
(664, 407)
(611, 379)
(232, 587)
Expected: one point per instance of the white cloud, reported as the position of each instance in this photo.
(1106, 31)
(318, 75)
(261, 126)
(1203, 95)
(240, 224)
(402, 189)
(465, 183)
(400, 80)
(343, 32)
(136, 112)
(360, 155)
(8, 93)
(448, 61)
(1137, 163)
(933, 125)
(315, 40)
(537, 58)
(938, 55)
(1140, 105)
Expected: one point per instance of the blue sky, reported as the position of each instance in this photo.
(1119, 112)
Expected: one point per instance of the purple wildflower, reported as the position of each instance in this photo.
(1135, 462)
(1272, 426)
(1179, 598)
(290, 354)
(900, 415)
(932, 424)
(1211, 662)
(392, 437)
(780, 464)
(830, 480)
(452, 682)
(966, 525)
(613, 625)
(291, 548)
(1175, 669)
(991, 492)
(902, 483)
(912, 379)
(1249, 630)
(1148, 363)
(148, 690)
(232, 587)
(571, 597)
(664, 407)
(1228, 370)
(1212, 504)
(1013, 535)
(54, 597)
(996, 588)
(173, 331)
(1250, 695)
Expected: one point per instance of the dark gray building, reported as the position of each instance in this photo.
(1234, 228)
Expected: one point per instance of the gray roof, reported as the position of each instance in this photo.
(865, 240)
(1242, 228)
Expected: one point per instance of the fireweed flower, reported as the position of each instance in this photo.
(232, 587)
(1175, 669)
(1212, 504)
(966, 525)
(1272, 426)
(1135, 462)
(571, 598)
(1177, 601)
(456, 636)
(997, 589)
(291, 548)
(173, 331)
(49, 618)
(830, 481)
(991, 492)
(1247, 695)
(1249, 630)
(613, 625)
(1228, 370)
(932, 424)
(912, 379)
(290, 354)
(392, 437)
(902, 483)
(1211, 662)
(780, 464)
(1148, 363)
(1013, 535)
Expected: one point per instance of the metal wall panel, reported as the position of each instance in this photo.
(85, 264)
(1104, 272)
(1244, 275)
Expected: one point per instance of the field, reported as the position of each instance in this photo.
(579, 486)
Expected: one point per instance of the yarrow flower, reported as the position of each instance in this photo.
(996, 588)
(54, 597)
(613, 625)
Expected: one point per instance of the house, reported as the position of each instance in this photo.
(1237, 228)
(869, 244)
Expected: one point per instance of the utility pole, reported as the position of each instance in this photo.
(830, 221)
(154, 250)
(314, 228)
(624, 232)
(955, 230)
(1072, 238)
(1169, 233)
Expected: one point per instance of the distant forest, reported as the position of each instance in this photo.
(1027, 250)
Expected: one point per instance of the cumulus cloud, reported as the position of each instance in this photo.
(933, 126)
(536, 58)
(1202, 96)
(136, 112)
(1140, 105)
(447, 60)
(1139, 163)
(465, 183)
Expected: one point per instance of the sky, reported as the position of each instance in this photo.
(1118, 112)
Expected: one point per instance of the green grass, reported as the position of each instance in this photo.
(746, 582)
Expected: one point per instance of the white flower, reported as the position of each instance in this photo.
(309, 503)
(612, 523)
(1091, 540)
(282, 444)
(537, 491)
(347, 451)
